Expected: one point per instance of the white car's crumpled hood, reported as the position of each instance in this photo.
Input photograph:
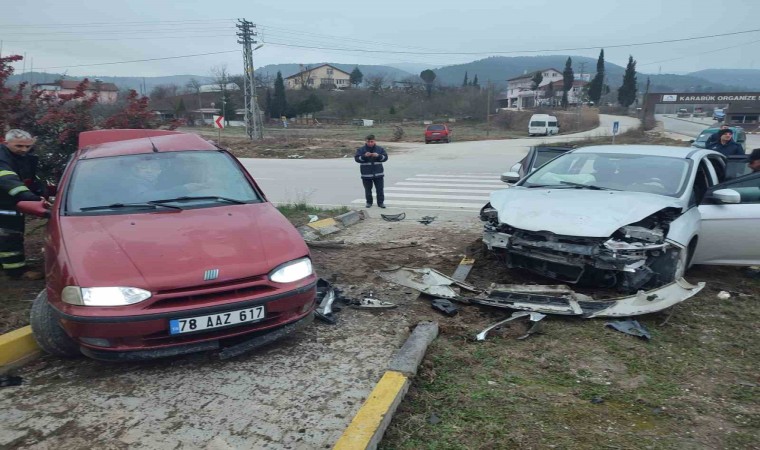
(575, 212)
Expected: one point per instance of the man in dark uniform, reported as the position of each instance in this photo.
(726, 144)
(18, 183)
(371, 158)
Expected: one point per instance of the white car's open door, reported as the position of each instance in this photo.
(730, 220)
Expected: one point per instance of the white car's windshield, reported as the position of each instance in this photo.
(640, 173)
(141, 182)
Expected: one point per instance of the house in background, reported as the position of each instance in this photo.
(574, 95)
(107, 93)
(520, 93)
(322, 77)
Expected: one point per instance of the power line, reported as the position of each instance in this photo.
(130, 31)
(139, 60)
(102, 24)
(667, 41)
(189, 36)
(701, 53)
(344, 49)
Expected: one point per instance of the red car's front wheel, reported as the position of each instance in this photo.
(47, 330)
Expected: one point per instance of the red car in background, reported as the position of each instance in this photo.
(438, 133)
(160, 243)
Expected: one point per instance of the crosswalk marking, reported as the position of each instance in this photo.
(474, 175)
(452, 180)
(482, 198)
(467, 192)
(427, 189)
(448, 185)
(431, 205)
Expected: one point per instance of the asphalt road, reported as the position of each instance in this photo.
(441, 179)
(690, 127)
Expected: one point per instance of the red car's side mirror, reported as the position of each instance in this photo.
(33, 208)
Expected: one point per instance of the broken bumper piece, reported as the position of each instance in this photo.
(428, 281)
(552, 300)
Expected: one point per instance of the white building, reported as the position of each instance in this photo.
(519, 89)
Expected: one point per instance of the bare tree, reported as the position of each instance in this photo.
(162, 91)
(238, 80)
(194, 86)
(221, 76)
(304, 77)
(375, 83)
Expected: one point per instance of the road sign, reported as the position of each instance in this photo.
(615, 127)
(219, 122)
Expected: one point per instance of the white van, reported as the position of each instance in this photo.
(543, 124)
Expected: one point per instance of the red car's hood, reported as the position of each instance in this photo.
(170, 249)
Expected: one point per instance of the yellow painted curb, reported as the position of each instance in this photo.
(369, 424)
(324, 223)
(17, 346)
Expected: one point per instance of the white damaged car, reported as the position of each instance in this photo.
(633, 217)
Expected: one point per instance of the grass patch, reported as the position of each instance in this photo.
(298, 213)
(581, 385)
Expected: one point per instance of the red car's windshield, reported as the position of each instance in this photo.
(144, 178)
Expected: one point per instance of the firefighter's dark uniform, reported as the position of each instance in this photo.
(18, 182)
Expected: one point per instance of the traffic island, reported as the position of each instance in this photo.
(369, 424)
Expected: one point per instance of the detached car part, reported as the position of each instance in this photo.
(574, 304)
(428, 281)
(534, 317)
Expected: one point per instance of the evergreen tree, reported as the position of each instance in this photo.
(596, 86)
(356, 77)
(279, 101)
(567, 81)
(268, 104)
(550, 93)
(392, 111)
(627, 92)
(475, 82)
(465, 83)
(538, 77)
(180, 109)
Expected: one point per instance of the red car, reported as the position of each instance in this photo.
(161, 243)
(438, 133)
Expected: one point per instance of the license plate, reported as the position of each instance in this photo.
(436, 134)
(220, 320)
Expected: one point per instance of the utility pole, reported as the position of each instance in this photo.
(488, 109)
(578, 98)
(247, 34)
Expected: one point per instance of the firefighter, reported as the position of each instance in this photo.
(18, 183)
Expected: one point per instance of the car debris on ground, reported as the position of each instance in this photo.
(326, 296)
(10, 380)
(631, 327)
(444, 306)
(393, 217)
(564, 301)
(428, 281)
(427, 220)
(533, 316)
(372, 303)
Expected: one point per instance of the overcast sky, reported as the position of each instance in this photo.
(53, 34)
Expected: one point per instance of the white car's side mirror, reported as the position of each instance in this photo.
(727, 196)
(510, 177)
